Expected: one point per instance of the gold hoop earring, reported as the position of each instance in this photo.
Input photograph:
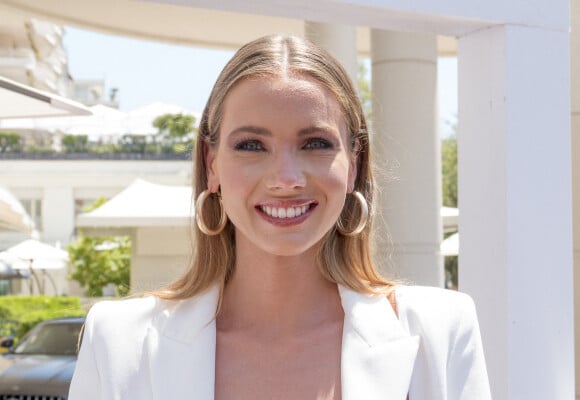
(364, 216)
(199, 215)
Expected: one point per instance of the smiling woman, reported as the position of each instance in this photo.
(282, 299)
(284, 153)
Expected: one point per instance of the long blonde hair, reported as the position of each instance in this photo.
(344, 260)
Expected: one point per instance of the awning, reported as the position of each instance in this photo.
(142, 204)
(19, 101)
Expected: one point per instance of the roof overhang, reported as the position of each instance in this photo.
(175, 24)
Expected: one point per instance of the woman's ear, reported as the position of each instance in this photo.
(209, 155)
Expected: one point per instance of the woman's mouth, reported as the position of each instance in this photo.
(286, 214)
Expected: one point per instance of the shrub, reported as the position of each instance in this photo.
(20, 313)
(75, 143)
(10, 142)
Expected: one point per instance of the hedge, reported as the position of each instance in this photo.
(18, 314)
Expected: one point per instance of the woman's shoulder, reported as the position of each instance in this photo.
(152, 311)
(423, 307)
(430, 296)
(123, 307)
(118, 315)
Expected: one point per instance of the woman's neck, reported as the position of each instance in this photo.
(278, 295)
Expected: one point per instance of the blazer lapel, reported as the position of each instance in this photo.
(378, 355)
(181, 348)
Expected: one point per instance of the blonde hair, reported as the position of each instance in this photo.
(344, 260)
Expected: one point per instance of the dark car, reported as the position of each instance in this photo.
(42, 364)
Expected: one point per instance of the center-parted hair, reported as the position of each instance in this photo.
(344, 260)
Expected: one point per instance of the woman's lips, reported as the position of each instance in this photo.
(286, 214)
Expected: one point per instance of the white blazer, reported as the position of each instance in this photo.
(152, 349)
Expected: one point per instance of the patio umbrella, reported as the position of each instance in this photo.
(7, 272)
(24, 101)
(140, 120)
(104, 121)
(13, 216)
(33, 255)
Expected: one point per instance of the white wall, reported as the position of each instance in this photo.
(160, 255)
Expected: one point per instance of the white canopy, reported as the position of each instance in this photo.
(23, 101)
(104, 121)
(143, 204)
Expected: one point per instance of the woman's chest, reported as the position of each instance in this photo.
(302, 368)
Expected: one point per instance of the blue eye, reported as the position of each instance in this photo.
(318, 144)
(249, 145)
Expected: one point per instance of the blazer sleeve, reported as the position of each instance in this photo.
(467, 374)
(86, 381)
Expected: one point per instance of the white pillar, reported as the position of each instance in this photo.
(407, 152)
(339, 40)
(58, 214)
(575, 96)
(516, 211)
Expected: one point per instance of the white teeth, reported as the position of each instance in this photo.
(280, 212)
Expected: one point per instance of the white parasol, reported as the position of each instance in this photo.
(13, 216)
(33, 255)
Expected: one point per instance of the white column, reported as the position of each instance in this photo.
(339, 40)
(406, 150)
(575, 96)
(58, 214)
(516, 211)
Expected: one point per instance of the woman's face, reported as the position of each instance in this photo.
(283, 163)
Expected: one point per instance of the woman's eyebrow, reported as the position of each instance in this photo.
(265, 132)
(316, 128)
(251, 129)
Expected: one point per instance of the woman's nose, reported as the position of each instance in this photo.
(286, 172)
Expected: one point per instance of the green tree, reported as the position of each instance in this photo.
(364, 90)
(10, 142)
(100, 261)
(449, 189)
(176, 131)
(449, 170)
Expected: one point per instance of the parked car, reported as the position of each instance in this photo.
(42, 364)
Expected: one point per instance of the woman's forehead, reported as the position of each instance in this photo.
(292, 100)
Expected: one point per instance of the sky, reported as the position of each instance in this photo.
(145, 72)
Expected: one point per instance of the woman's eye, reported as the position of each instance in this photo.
(249, 145)
(317, 144)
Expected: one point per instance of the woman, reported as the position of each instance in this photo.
(281, 300)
